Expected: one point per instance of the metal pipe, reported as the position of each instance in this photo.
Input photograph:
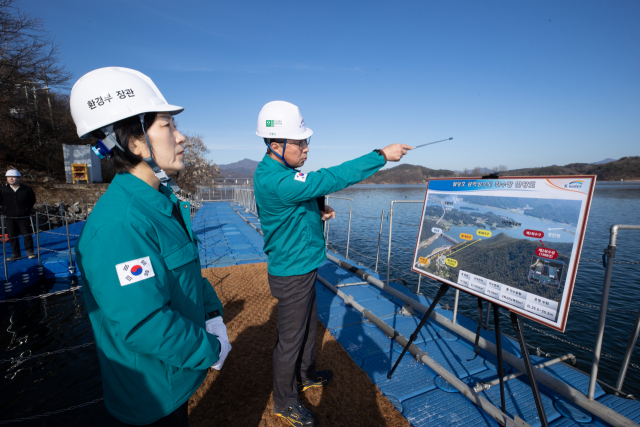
(38, 237)
(390, 231)
(389, 251)
(4, 252)
(419, 279)
(611, 252)
(48, 220)
(563, 389)
(421, 356)
(627, 355)
(379, 239)
(496, 321)
(348, 232)
(486, 386)
(455, 306)
(326, 246)
(66, 222)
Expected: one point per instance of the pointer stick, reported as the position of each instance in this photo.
(435, 142)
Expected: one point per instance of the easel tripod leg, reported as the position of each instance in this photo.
(527, 363)
(443, 290)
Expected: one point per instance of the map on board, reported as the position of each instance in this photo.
(514, 241)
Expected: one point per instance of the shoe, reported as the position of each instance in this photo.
(321, 378)
(297, 415)
(31, 255)
(14, 257)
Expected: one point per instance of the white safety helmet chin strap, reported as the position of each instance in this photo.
(110, 142)
(160, 174)
(284, 147)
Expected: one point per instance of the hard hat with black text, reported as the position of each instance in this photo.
(107, 95)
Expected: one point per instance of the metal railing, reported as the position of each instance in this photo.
(195, 203)
(8, 285)
(207, 194)
(246, 198)
(609, 255)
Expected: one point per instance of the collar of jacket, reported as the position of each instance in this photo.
(160, 200)
(276, 164)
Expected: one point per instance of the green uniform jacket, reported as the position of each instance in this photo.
(147, 300)
(289, 213)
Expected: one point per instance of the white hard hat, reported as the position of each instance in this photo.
(108, 95)
(280, 119)
(12, 172)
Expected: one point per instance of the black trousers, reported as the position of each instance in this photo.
(294, 357)
(15, 227)
(178, 418)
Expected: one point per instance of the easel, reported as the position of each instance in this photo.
(515, 320)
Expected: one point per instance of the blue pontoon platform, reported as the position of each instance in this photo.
(230, 237)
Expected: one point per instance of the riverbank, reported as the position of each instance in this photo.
(424, 183)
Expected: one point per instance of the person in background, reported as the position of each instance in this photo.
(157, 322)
(17, 200)
(289, 210)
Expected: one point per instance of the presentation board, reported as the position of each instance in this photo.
(514, 241)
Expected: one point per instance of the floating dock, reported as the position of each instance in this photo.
(54, 259)
(229, 237)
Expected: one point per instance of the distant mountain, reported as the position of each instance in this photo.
(407, 174)
(626, 168)
(601, 162)
(242, 169)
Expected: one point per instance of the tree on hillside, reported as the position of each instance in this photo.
(34, 121)
(198, 171)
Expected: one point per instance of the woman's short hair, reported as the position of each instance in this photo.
(124, 161)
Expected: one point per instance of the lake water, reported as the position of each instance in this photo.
(61, 380)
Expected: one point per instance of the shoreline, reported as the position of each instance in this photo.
(425, 183)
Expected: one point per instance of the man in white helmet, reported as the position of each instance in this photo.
(157, 322)
(294, 242)
(17, 200)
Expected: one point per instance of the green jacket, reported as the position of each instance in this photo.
(147, 300)
(289, 214)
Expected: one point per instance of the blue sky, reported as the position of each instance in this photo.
(515, 83)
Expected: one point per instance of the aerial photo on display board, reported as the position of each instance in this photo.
(511, 243)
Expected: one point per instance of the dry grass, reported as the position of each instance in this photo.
(241, 393)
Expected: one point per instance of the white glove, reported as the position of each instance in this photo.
(225, 347)
(216, 327)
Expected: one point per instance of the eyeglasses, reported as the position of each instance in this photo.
(302, 144)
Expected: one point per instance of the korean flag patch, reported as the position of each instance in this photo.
(134, 271)
(301, 176)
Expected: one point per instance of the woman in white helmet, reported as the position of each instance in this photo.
(157, 322)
